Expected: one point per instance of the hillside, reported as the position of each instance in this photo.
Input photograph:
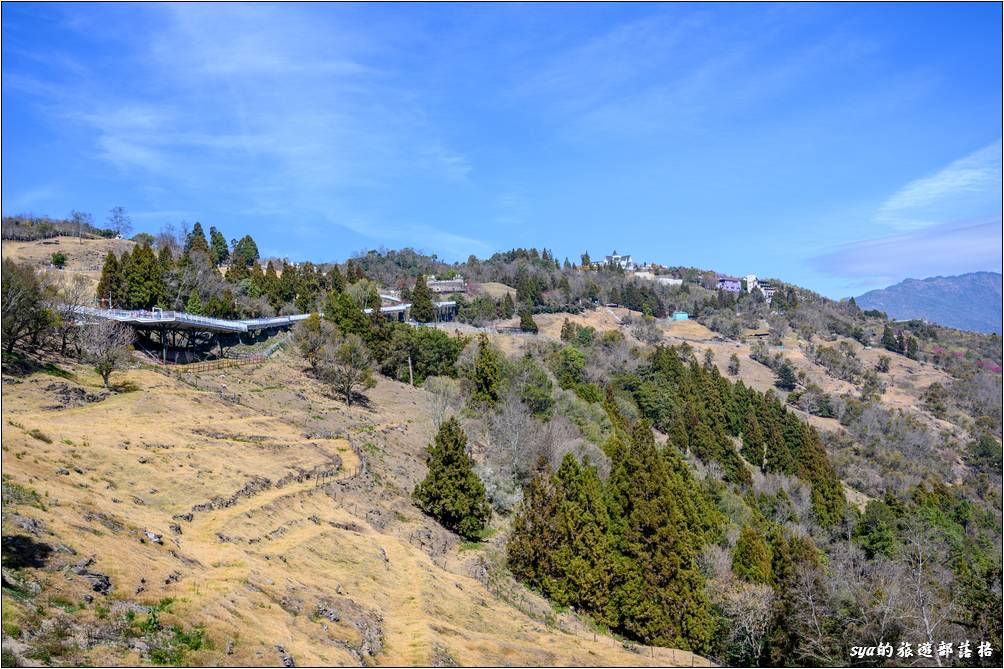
(310, 547)
(84, 257)
(757, 459)
(967, 301)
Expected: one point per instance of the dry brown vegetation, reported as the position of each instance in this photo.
(301, 532)
(84, 257)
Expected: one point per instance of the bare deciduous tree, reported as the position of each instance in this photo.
(66, 302)
(748, 606)
(347, 366)
(446, 398)
(119, 221)
(105, 345)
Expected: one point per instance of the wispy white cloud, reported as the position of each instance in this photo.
(966, 187)
(275, 108)
(950, 248)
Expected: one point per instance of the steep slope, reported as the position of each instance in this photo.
(967, 301)
(254, 506)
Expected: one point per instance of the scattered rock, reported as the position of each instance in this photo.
(251, 488)
(27, 523)
(230, 647)
(173, 577)
(154, 537)
(326, 610)
(441, 657)
(88, 599)
(63, 472)
(69, 396)
(107, 521)
(187, 517)
(175, 527)
(287, 659)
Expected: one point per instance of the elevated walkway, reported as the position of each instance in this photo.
(179, 320)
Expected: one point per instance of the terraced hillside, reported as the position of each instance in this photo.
(247, 517)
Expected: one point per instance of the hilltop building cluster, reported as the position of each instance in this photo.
(746, 284)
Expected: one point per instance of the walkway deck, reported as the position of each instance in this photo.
(179, 320)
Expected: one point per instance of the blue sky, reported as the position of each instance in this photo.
(841, 147)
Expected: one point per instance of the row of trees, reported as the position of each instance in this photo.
(41, 313)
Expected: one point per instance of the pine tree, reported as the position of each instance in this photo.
(534, 532)
(751, 558)
(422, 309)
(734, 365)
(659, 592)
(889, 339)
(526, 322)
(245, 253)
(486, 375)
(786, 379)
(508, 306)
(219, 252)
(451, 491)
(144, 286)
(196, 240)
(343, 312)
(336, 279)
(194, 304)
(108, 284)
(583, 549)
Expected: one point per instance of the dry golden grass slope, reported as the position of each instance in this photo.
(84, 257)
(321, 557)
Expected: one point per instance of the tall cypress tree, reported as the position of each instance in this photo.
(108, 284)
(659, 591)
(451, 491)
(422, 309)
(751, 557)
(196, 240)
(219, 252)
(487, 373)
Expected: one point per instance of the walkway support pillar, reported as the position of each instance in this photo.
(163, 342)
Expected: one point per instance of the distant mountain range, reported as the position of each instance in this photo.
(967, 301)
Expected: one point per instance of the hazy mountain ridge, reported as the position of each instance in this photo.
(968, 301)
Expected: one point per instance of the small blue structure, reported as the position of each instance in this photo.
(681, 316)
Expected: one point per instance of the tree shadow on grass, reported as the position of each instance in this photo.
(20, 551)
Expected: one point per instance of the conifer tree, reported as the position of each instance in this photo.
(336, 279)
(786, 379)
(194, 304)
(219, 252)
(451, 491)
(659, 591)
(508, 306)
(108, 283)
(889, 339)
(486, 375)
(422, 309)
(751, 557)
(196, 240)
(526, 322)
(583, 551)
(343, 312)
(245, 253)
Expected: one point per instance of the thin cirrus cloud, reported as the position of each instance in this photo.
(949, 248)
(270, 107)
(967, 187)
(947, 222)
